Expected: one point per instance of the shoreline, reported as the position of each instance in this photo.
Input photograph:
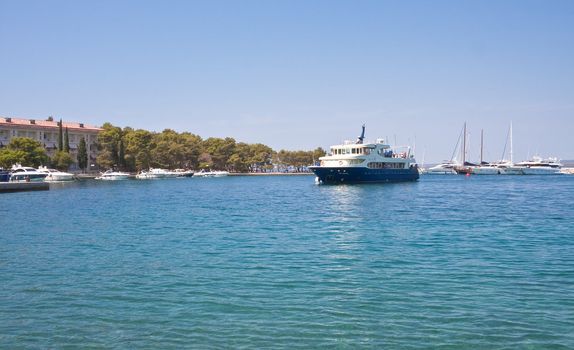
(93, 176)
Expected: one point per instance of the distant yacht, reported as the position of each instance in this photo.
(539, 166)
(484, 168)
(357, 162)
(507, 167)
(446, 168)
(111, 175)
(449, 167)
(21, 173)
(54, 175)
(211, 173)
(156, 173)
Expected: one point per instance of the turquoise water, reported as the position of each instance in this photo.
(279, 262)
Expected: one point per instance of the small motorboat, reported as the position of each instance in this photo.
(112, 175)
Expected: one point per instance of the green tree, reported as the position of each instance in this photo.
(60, 136)
(82, 154)
(108, 142)
(172, 150)
(9, 157)
(121, 154)
(220, 150)
(25, 151)
(62, 160)
(66, 142)
(137, 148)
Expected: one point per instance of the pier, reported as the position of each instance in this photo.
(23, 186)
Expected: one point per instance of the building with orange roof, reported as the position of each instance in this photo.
(46, 132)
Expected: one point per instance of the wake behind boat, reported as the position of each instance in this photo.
(366, 163)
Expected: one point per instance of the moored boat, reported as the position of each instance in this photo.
(211, 173)
(359, 162)
(539, 166)
(183, 173)
(156, 173)
(21, 173)
(486, 169)
(54, 175)
(446, 168)
(111, 175)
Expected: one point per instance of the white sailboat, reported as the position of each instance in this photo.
(446, 167)
(484, 168)
(507, 167)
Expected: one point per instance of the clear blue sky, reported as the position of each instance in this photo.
(300, 74)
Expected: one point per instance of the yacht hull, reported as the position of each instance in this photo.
(27, 177)
(341, 175)
(511, 171)
(540, 171)
(485, 171)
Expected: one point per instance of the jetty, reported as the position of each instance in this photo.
(23, 186)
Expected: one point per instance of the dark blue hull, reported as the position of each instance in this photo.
(335, 175)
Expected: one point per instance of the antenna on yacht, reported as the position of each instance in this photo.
(362, 137)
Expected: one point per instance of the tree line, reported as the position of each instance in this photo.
(133, 150)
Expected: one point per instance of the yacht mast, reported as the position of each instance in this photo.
(481, 144)
(511, 153)
(464, 145)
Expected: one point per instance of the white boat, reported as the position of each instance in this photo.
(145, 175)
(111, 175)
(21, 173)
(55, 175)
(366, 162)
(446, 168)
(508, 167)
(539, 166)
(485, 169)
(156, 173)
(449, 167)
(210, 173)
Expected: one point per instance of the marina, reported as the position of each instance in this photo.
(296, 175)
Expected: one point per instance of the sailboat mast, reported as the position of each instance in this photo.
(511, 153)
(481, 143)
(464, 145)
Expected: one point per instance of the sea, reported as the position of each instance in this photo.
(279, 262)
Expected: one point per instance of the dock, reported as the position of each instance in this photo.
(23, 186)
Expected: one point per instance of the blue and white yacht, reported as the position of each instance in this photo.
(359, 162)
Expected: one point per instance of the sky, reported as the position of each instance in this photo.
(299, 74)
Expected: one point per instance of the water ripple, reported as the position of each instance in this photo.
(278, 262)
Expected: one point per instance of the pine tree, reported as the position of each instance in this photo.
(82, 155)
(60, 137)
(121, 155)
(66, 142)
